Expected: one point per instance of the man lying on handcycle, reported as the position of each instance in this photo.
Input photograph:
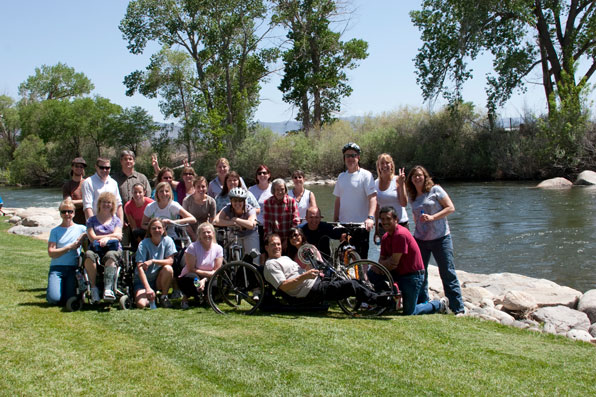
(285, 274)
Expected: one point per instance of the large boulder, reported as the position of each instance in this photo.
(544, 292)
(476, 295)
(519, 301)
(592, 330)
(563, 318)
(587, 304)
(586, 178)
(27, 231)
(555, 183)
(579, 334)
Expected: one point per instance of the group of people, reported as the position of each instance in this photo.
(271, 219)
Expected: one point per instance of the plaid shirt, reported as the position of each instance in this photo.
(280, 217)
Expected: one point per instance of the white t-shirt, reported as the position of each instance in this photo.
(171, 211)
(261, 196)
(353, 190)
(304, 202)
(94, 186)
(281, 269)
(388, 198)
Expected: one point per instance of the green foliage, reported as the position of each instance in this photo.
(30, 165)
(132, 128)
(55, 82)
(314, 78)
(9, 128)
(520, 35)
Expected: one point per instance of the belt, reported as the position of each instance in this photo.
(416, 273)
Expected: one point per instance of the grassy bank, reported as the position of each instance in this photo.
(47, 351)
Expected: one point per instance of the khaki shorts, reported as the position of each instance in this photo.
(116, 256)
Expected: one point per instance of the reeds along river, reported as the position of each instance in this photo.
(497, 227)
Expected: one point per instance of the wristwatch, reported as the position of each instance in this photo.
(370, 217)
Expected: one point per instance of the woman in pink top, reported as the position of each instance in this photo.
(203, 257)
(134, 209)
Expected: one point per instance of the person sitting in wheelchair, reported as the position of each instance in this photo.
(286, 275)
(105, 233)
(202, 259)
(154, 259)
(242, 215)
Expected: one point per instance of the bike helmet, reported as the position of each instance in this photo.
(352, 146)
(238, 192)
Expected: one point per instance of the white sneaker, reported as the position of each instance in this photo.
(94, 295)
(444, 305)
(108, 295)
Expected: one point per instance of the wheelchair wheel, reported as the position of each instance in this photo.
(372, 275)
(236, 287)
(74, 303)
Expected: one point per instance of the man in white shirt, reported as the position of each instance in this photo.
(98, 183)
(355, 197)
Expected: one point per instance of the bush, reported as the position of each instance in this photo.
(30, 166)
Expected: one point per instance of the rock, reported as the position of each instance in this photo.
(36, 222)
(40, 220)
(520, 324)
(550, 328)
(592, 330)
(476, 295)
(578, 334)
(15, 220)
(587, 304)
(501, 316)
(555, 183)
(26, 231)
(519, 301)
(544, 292)
(486, 302)
(586, 178)
(563, 318)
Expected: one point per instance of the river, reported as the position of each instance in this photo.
(497, 227)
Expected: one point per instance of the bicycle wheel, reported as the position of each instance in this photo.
(236, 287)
(373, 276)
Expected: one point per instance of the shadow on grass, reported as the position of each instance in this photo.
(32, 290)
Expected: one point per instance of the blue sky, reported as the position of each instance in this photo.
(84, 35)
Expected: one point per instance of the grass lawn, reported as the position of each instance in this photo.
(47, 351)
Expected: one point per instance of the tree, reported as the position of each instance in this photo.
(132, 128)
(9, 127)
(521, 35)
(30, 165)
(55, 82)
(314, 78)
(220, 38)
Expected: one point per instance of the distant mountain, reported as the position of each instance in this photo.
(281, 127)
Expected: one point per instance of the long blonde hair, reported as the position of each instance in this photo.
(387, 157)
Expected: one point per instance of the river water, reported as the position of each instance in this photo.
(497, 227)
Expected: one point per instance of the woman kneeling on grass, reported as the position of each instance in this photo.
(203, 257)
(64, 249)
(105, 233)
(154, 258)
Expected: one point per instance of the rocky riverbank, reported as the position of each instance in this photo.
(510, 299)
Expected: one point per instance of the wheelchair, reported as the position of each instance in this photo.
(123, 285)
(239, 287)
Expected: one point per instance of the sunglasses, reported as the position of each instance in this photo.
(262, 173)
(101, 167)
(66, 212)
(350, 155)
(294, 235)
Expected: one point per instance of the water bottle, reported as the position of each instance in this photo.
(152, 305)
(197, 283)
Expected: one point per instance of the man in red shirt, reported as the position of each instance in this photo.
(401, 256)
(280, 212)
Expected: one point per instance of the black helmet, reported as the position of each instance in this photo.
(238, 192)
(352, 146)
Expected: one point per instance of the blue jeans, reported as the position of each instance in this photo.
(411, 288)
(442, 251)
(61, 284)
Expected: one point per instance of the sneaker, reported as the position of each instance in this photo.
(108, 295)
(94, 295)
(184, 305)
(165, 302)
(444, 305)
(461, 313)
(176, 294)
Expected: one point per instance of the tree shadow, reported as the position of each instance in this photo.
(32, 290)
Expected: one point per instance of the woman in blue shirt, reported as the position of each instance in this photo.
(64, 249)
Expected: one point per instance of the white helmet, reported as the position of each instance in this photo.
(238, 192)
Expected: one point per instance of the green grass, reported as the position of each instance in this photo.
(45, 350)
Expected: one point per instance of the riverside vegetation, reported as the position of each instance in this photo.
(47, 350)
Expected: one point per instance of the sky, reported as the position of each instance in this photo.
(84, 35)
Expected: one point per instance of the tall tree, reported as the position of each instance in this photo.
(55, 82)
(9, 127)
(315, 65)
(522, 35)
(220, 37)
(131, 128)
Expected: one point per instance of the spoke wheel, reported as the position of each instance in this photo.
(372, 275)
(236, 287)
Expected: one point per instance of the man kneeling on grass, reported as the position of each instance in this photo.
(285, 274)
(401, 256)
